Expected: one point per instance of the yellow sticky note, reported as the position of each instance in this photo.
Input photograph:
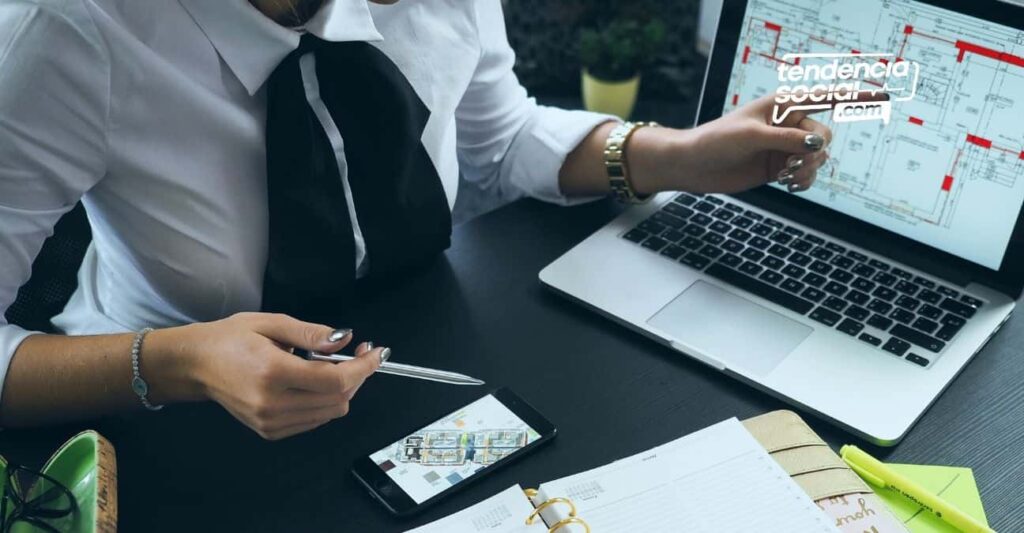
(953, 484)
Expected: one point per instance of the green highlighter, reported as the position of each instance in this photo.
(881, 475)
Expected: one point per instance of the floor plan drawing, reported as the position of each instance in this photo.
(956, 149)
(457, 447)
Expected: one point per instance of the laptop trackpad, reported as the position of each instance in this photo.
(734, 330)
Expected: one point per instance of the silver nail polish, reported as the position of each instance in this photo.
(794, 163)
(369, 345)
(784, 177)
(339, 334)
(385, 354)
(814, 142)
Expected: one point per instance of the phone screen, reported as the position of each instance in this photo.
(442, 455)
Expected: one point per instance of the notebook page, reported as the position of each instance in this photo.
(504, 512)
(716, 480)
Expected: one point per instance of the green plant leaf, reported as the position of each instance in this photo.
(620, 48)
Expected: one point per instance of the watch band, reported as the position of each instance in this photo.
(139, 385)
(616, 164)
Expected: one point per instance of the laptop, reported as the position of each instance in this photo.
(860, 300)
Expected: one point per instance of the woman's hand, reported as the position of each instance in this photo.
(244, 363)
(736, 152)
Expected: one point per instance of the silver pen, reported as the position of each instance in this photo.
(409, 371)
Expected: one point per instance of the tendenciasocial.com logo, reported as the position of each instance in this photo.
(837, 81)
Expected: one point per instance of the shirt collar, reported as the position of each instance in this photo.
(252, 45)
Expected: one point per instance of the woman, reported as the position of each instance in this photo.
(192, 131)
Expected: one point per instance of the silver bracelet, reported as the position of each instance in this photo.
(139, 385)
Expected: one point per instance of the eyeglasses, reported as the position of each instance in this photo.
(44, 501)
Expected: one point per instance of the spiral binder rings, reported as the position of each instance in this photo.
(561, 525)
(720, 478)
(514, 510)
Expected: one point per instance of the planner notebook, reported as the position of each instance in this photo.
(718, 479)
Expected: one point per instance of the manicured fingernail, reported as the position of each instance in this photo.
(784, 176)
(795, 187)
(794, 163)
(385, 354)
(339, 334)
(369, 345)
(814, 142)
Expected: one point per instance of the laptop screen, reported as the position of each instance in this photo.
(942, 162)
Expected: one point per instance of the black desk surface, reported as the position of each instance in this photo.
(482, 311)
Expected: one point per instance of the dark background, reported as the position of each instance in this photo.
(545, 36)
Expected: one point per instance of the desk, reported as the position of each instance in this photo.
(482, 311)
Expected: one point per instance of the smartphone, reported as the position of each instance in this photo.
(424, 467)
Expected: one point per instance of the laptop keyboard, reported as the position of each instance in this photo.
(878, 303)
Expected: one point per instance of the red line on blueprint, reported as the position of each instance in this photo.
(746, 54)
(947, 183)
(735, 99)
(980, 141)
(778, 35)
(1022, 154)
(915, 120)
(855, 52)
(906, 35)
(766, 56)
(771, 26)
(965, 47)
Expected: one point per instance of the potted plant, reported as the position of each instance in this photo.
(613, 57)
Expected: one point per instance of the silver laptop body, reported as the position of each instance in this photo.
(871, 349)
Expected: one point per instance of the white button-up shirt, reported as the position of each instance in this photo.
(152, 114)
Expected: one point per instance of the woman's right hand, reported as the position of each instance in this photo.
(244, 363)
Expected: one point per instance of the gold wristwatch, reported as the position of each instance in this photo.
(617, 166)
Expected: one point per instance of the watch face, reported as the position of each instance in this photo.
(139, 386)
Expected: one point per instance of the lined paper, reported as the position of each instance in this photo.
(717, 480)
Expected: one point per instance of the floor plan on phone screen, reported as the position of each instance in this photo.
(450, 450)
